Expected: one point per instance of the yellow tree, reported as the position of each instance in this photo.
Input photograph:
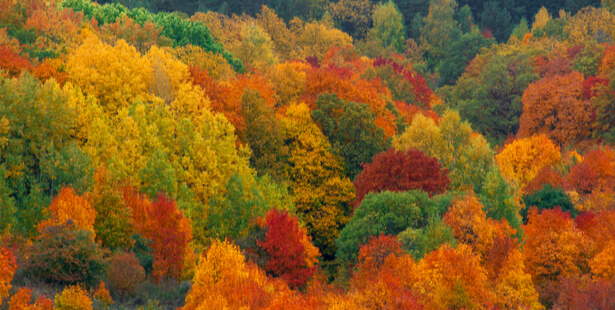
(451, 278)
(322, 193)
(521, 161)
(168, 74)
(514, 288)
(465, 154)
(541, 18)
(116, 75)
(314, 39)
(224, 280)
(603, 264)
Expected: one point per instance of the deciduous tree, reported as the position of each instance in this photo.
(400, 171)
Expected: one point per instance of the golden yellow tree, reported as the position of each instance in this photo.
(116, 75)
(224, 280)
(521, 160)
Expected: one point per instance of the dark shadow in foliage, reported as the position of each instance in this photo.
(143, 251)
(459, 54)
(350, 128)
(263, 134)
(548, 198)
(66, 255)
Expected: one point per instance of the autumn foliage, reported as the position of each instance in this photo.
(291, 254)
(7, 270)
(401, 171)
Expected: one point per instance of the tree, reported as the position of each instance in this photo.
(73, 297)
(353, 17)
(170, 233)
(321, 191)
(451, 278)
(113, 225)
(500, 199)
(603, 101)
(420, 241)
(70, 206)
(514, 287)
(602, 264)
(36, 131)
(22, 300)
(521, 160)
(497, 19)
(548, 198)
(7, 270)
(388, 30)
(263, 134)
(459, 54)
(555, 107)
(224, 279)
(553, 249)
(385, 213)
(291, 254)
(117, 75)
(488, 94)
(65, 254)
(466, 155)
(471, 226)
(230, 216)
(256, 48)
(438, 27)
(351, 131)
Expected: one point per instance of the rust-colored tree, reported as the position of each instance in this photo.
(400, 171)
(553, 250)
(170, 234)
(556, 107)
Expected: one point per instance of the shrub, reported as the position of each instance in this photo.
(73, 298)
(66, 255)
(125, 273)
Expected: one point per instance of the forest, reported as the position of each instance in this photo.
(313, 154)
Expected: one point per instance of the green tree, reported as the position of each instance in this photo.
(229, 216)
(388, 30)
(438, 28)
(385, 213)
(459, 54)
(466, 155)
(488, 94)
(548, 197)
(351, 131)
(264, 136)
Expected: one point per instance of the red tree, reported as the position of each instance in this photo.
(291, 255)
(400, 171)
(12, 62)
(170, 234)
